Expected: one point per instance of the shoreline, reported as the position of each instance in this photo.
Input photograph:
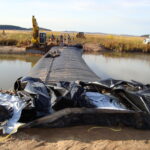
(87, 48)
(12, 50)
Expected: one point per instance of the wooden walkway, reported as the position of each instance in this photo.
(69, 66)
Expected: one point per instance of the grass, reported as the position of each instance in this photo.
(110, 42)
(18, 38)
(118, 43)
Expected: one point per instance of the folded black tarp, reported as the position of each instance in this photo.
(106, 102)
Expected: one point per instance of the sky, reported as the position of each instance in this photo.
(107, 16)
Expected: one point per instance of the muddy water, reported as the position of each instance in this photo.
(13, 67)
(119, 66)
(128, 66)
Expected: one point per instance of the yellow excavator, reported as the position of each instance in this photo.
(38, 39)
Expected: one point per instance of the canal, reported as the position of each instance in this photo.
(124, 66)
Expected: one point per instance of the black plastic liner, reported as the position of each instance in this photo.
(107, 102)
(35, 93)
(6, 112)
(91, 116)
(70, 106)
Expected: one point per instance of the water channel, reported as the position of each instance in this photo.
(124, 66)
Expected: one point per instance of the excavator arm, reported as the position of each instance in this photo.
(35, 35)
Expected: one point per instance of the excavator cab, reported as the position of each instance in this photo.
(42, 38)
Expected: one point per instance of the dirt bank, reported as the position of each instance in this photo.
(12, 50)
(91, 47)
(78, 138)
(18, 50)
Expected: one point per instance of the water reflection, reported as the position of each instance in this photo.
(128, 66)
(116, 65)
(13, 67)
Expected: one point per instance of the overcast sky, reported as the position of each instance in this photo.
(107, 16)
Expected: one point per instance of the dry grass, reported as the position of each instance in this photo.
(19, 38)
(111, 42)
(118, 43)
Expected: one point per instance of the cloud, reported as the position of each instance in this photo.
(135, 3)
(115, 16)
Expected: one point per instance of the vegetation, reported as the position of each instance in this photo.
(110, 42)
(18, 38)
(80, 35)
(146, 36)
(117, 43)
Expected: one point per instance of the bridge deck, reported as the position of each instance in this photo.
(69, 66)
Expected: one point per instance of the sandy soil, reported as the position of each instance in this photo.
(12, 50)
(78, 138)
(91, 47)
